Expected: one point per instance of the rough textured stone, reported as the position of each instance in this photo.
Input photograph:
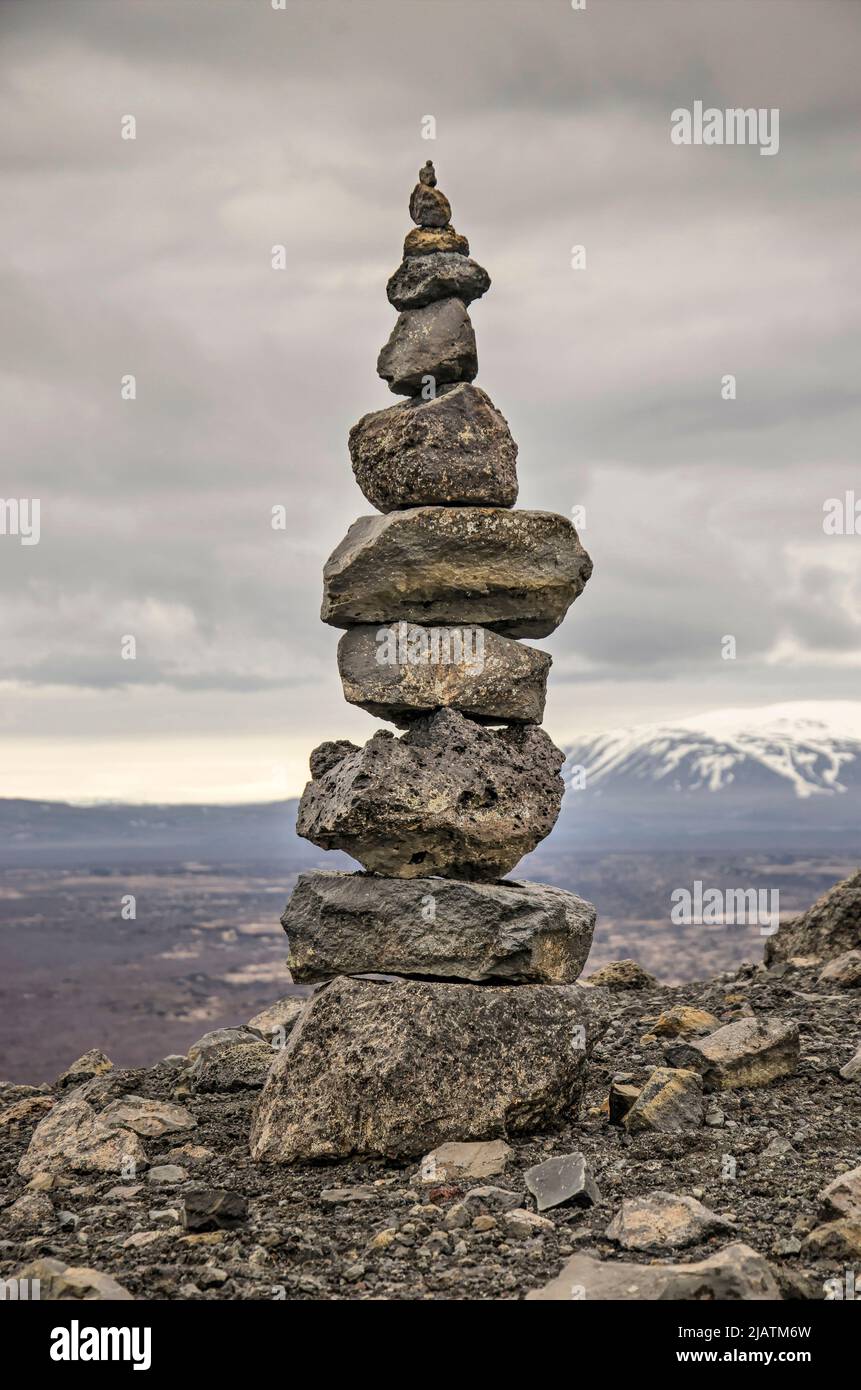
(213, 1209)
(93, 1063)
(851, 1070)
(32, 1209)
(455, 1162)
(671, 1101)
(149, 1118)
(448, 798)
(220, 1036)
(398, 1067)
(60, 1282)
(622, 974)
(351, 924)
(517, 572)
(829, 928)
(437, 341)
(73, 1136)
(842, 1197)
(429, 207)
(621, 1097)
(561, 1180)
(451, 450)
(402, 671)
(837, 1240)
(681, 1021)
(277, 1020)
(663, 1221)
(421, 280)
(844, 971)
(428, 241)
(736, 1272)
(748, 1052)
(232, 1066)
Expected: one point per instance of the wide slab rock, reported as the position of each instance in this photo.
(830, 928)
(74, 1137)
(517, 572)
(398, 1067)
(404, 670)
(421, 280)
(449, 797)
(736, 1272)
(748, 1052)
(437, 341)
(350, 924)
(454, 449)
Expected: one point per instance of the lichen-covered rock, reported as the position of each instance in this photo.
(74, 1137)
(404, 670)
(517, 572)
(429, 241)
(421, 280)
(670, 1102)
(398, 1067)
(449, 797)
(747, 1052)
(151, 1119)
(622, 974)
(93, 1063)
(59, 1282)
(844, 971)
(276, 1020)
(831, 927)
(349, 924)
(736, 1272)
(429, 207)
(434, 342)
(454, 449)
(663, 1221)
(232, 1066)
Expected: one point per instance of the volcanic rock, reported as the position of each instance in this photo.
(454, 449)
(420, 280)
(437, 341)
(74, 1137)
(517, 572)
(663, 1221)
(428, 241)
(748, 1052)
(829, 928)
(429, 207)
(59, 1282)
(736, 1272)
(671, 1101)
(404, 670)
(561, 1180)
(349, 924)
(622, 974)
(277, 1019)
(149, 1118)
(232, 1066)
(93, 1063)
(397, 1067)
(844, 971)
(455, 1162)
(842, 1196)
(213, 1210)
(449, 797)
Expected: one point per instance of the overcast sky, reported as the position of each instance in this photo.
(257, 127)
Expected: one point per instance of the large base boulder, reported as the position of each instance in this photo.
(517, 572)
(397, 1067)
(437, 341)
(830, 928)
(449, 797)
(350, 924)
(454, 449)
(404, 670)
(736, 1272)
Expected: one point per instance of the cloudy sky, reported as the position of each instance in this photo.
(303, 127)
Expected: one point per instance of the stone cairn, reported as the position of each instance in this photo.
(449, 1010)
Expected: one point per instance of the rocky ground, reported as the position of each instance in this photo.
(375, 1229)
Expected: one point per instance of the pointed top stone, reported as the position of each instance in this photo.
(428, 206)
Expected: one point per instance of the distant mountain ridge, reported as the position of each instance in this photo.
(787, 776)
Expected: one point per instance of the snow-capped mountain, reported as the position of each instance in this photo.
(785, 770)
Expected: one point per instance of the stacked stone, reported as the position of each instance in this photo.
(433, 594)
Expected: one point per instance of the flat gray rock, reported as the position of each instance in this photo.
(403, 670)
(437, 341)
(398, 1067)
(349, 924)
(747, 1052)
(517, 572)
(566, 1179)
(453, 450)
(421, 280)
(736, 1272)
(449, 797)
